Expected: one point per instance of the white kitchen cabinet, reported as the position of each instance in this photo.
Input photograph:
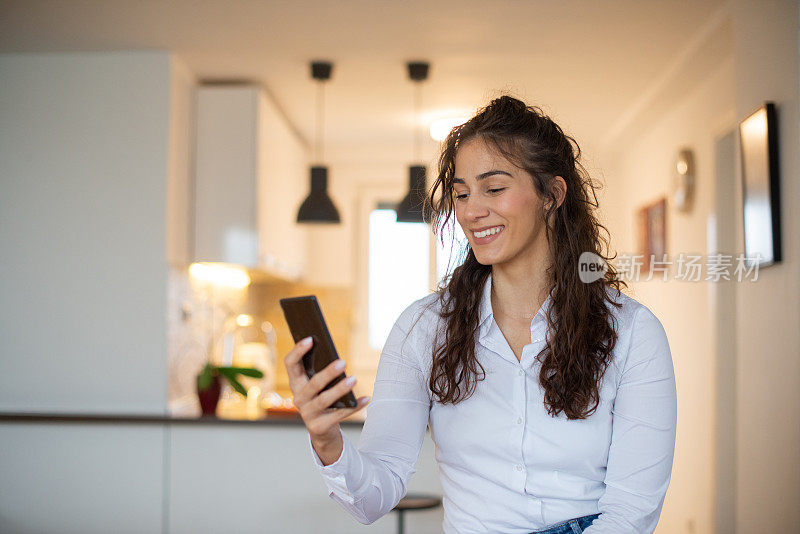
(82, 478)
(173, 478)
(262, 479)
(250, 178)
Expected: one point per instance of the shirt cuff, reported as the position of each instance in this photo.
(334, 474)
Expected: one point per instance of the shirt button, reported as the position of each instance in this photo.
(521, 372)
(519, 421)
(519, 467)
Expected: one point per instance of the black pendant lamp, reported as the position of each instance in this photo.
(318, 206)
(410, 208)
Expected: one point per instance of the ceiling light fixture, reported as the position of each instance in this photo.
(318, 206)
(441, 128)
(410, 208)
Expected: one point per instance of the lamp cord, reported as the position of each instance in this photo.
(417, 105)
(319, 149)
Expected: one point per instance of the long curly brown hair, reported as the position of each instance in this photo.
(581, 328)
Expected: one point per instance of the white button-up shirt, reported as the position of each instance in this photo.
(505, 465)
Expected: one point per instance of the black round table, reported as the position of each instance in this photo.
(413, 502)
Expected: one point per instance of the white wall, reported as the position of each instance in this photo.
(84, 160)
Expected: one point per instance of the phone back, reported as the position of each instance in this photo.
(304, 317)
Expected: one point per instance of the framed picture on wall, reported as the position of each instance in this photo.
(652, 231)
(758, 136)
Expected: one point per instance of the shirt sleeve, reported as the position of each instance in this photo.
(370, 480)
(643, 434)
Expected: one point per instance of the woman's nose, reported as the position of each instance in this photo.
(475, 207)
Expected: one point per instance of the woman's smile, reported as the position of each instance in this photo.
(487, 235)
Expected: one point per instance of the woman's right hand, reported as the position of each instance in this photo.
(313, 404)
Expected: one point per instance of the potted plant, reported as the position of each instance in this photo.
(209, 383)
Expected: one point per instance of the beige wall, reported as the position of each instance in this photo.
(179, 164)
(738, 403)
(768, 333)
(641, 174)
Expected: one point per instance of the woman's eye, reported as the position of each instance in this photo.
(465, 195)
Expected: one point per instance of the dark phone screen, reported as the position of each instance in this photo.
(304, 317)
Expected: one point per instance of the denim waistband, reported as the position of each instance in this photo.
(570, 526)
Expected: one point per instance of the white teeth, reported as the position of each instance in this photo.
(488, 231)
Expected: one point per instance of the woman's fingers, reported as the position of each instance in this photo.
(321, 379)
(333, 416)
(294, 366)
(310, 399)
(329, 396)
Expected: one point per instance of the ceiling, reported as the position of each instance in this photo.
(584, 62)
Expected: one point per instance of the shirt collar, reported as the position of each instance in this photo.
(486, 312)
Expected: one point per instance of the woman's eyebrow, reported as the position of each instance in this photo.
(482, 175)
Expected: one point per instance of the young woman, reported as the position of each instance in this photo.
(550, 397)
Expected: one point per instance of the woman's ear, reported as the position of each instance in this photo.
(559, 187)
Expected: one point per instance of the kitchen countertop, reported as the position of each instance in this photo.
(42, 417)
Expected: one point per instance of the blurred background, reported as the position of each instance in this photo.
(154, 157)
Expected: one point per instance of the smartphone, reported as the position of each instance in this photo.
(304, 317)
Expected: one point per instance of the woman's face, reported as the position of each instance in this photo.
(492, 194)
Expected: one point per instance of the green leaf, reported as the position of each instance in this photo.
(226, 372)
(246, 371)
(236, 385)
(205, 377)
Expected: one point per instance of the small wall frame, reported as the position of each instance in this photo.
(758, 135)
(652, 233)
